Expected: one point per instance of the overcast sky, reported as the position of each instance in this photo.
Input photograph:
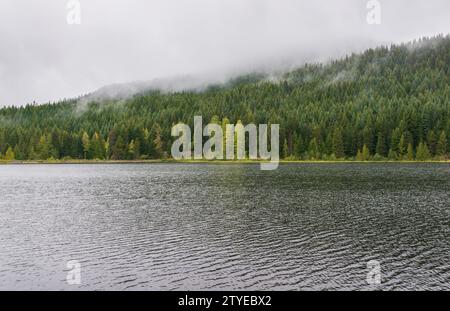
(43, 58)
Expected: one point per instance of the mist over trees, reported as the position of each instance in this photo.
(386, 103)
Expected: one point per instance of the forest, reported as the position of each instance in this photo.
(387, 103)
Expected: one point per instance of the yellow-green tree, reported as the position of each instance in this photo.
(359, 156)
(44, 147)
(423, 152)
(96, 147)
(410, 152)
(365, 153)
(9, 155)
(86, 144)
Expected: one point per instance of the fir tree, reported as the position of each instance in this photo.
(338, 144)
(365, 153)
(313, 150)
(422, 153)
(285, 149)
(9, 155)
(410, 152)
(441, 148)
(158, 142)
(86, 144)
(359, 156)
(402, 148)
(381, 145)
(392, 155)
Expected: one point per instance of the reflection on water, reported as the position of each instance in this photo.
(205, 227)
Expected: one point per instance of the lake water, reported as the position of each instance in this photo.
(225, 226)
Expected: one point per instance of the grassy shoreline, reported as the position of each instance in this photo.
(171, 161)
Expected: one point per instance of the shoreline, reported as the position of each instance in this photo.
(169, 161)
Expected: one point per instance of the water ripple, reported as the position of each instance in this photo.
(212, 227)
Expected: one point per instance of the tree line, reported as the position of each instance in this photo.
(386, 103)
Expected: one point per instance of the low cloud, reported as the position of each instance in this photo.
(44, 59)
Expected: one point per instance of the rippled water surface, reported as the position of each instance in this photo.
(214, 227)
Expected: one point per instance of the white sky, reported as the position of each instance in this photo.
(43, 58)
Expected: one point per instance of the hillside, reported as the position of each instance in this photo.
(390, 102)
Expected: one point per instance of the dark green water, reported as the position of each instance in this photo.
(213, 227)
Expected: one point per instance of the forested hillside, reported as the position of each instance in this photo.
(390, 102)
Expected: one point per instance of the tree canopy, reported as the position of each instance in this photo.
(389, 102)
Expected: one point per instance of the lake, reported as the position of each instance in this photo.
(225, 226)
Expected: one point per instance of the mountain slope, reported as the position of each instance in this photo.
(381, 102)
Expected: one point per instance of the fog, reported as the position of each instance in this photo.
(44, 58)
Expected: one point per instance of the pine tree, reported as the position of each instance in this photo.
(402, 147)
(9, 155)
(96, 147)
(338, 144)
(392, 155)
(158, 142)
(131, 152)
(18, 153)
(107, 148)
(86, 144)
(118, 149)
(313, 150)
(431, 140)
(298, 147)
(368, 136)
(146, 146)
(395, 140)
(381, 145)
(137, 146)
(359, 156)
(112, 140)
(365, 153)
(441, 148)
(410, 152)
(285, 149)
(43, 148)
(422, 153)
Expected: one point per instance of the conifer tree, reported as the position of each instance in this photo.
(9, 155)
(431, 140)
(131, 152)
(422, 153)
(298, 147)
(118, 150)
(96, 147)
(365, 153)
(410, 152)
(402, 147)
(359, 156)
(338, 144)
(381, 145)
(313, 150)
(441, 148)
(43, 148)
(158, 142)
(392, 155)
(285, 149)
(86, 144)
